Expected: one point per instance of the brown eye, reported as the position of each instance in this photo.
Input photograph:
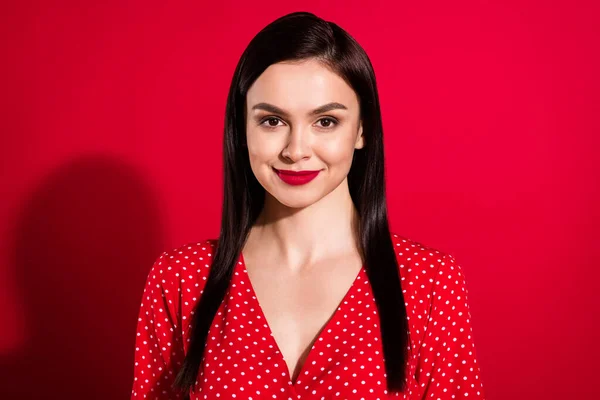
(271, 122)
(327, 122)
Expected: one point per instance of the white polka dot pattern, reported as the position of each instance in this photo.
(242, 359)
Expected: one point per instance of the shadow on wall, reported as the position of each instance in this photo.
(82, 248)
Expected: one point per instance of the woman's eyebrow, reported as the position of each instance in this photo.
(319, 110)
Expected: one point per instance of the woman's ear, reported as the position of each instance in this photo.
(360, 139)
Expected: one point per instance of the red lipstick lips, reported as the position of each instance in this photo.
(296, 177)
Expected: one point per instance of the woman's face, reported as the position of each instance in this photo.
(301, 116)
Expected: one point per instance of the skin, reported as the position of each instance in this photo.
(302, 254)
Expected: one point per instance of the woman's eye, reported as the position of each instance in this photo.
(329, 122)
(271, 122)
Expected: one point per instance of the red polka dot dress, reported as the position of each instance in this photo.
(242, 359)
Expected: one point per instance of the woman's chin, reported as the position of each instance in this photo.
(297, 200)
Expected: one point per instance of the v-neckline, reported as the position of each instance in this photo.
(332, 320)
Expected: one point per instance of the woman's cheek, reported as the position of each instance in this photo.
(262, 156)
(337, 151)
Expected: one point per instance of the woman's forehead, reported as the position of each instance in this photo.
(300, 87)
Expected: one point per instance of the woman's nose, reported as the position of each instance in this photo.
(298, 145)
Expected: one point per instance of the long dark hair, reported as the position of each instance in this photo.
(301, 36)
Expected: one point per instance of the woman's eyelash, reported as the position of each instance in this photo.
(331, 119)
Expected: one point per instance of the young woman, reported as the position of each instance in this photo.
(306, 294)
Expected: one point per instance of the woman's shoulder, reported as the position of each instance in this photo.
(187, 264)
(179, 275)
(408, 249)
(191, 254)
(420, 264)
(431, 280)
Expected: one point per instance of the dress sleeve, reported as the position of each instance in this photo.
(159, 350)
(448, 367)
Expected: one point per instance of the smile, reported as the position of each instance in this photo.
(296, 177)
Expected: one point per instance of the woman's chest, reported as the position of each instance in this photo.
(297, 308)
(242, 359)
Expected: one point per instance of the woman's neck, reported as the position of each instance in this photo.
(303, 236)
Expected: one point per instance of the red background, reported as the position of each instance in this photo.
(112, 116)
